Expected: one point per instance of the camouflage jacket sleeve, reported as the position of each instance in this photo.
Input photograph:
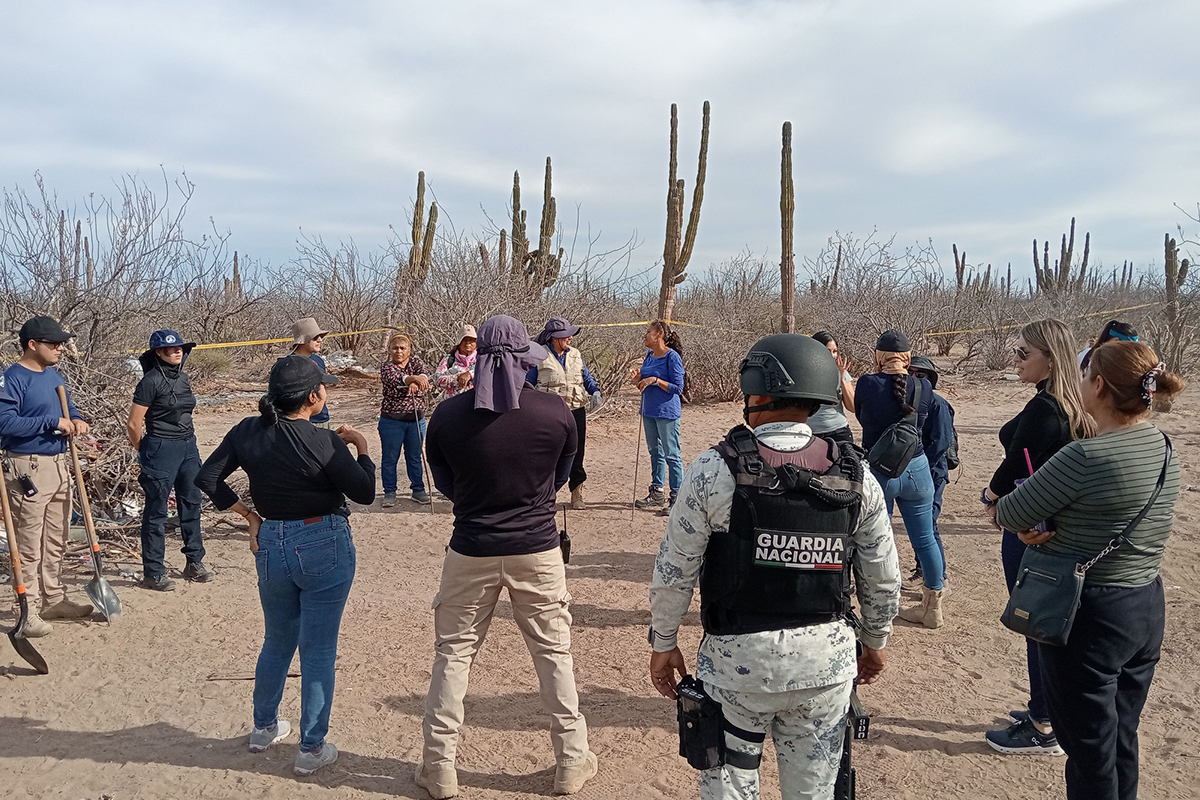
(702, 506)
(876, 566)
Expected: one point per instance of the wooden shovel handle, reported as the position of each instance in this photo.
(11, 531)
(83, 498)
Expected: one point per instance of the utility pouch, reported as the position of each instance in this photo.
(701, 733)
(564, 544)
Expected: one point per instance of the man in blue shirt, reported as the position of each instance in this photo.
(306, 341)
(33, 435)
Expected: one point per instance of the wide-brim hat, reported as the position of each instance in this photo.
(305, 330)
(467, 332)
(557, 328)
(169, 338)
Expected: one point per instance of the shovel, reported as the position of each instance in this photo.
(23, 646)
(98, 589)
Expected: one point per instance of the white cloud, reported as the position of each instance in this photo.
(985, 123)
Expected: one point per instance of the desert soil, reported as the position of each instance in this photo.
(131, 711)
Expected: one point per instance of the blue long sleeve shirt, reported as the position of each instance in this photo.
(661, 403)
(589, 383)
(876, 406)
(937, 436)
(30, 411)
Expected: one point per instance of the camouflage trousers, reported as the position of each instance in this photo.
(807, 729)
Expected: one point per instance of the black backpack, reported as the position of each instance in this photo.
(899, 443)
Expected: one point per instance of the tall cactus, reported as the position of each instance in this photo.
(545, 264)
(960, 267)
(1059, 278)
(787, 218)
(1177, 339)
(677, 252)
(420, 253)
(520, 244)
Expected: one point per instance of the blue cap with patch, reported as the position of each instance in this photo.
(168, 338)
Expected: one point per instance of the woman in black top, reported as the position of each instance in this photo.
(300, 476)
(1045, 356)
(168, 458)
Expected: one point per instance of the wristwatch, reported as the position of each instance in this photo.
(987, 501)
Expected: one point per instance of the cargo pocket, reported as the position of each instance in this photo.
(318, 558)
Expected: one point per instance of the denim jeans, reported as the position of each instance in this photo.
(395, 435)
(1011, 551)
(662, 439)
(1097, 685)
(913, 492)
(304, 576)
(168, 464)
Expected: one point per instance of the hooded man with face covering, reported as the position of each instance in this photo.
(163, 401)
(500, 452)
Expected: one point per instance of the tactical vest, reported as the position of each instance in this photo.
(566, 382)
(785, 560)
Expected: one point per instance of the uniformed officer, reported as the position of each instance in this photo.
(168, 458)
(770, 522)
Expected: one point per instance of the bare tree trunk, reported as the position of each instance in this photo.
(787, 216)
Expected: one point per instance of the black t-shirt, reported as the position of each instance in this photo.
(296, 470)
(1042, 427)
(502, 471)
(170, 402)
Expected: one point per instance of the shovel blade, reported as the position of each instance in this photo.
(103, 598)
(25, 650)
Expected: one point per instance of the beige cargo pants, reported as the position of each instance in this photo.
(462, 612)
(42, 522)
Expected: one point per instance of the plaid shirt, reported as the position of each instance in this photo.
(396, 399)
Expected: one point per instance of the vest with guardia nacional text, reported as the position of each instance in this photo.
(785, 560)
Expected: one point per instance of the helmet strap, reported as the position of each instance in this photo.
(774, 405)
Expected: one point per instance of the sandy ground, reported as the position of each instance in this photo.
(130, 711)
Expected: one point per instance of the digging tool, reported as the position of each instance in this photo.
(23, 646)
(98, 589)
(637, 458)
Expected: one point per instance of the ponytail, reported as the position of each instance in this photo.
(272, 406)
(673, 342)
(900, 389)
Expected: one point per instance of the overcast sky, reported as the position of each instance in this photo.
(987, 124)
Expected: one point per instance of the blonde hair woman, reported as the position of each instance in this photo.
(1045, 356)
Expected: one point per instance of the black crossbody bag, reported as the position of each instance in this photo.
(1046, 595)
(898, 445)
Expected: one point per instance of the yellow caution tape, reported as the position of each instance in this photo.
(1021, 325)
(215, 345)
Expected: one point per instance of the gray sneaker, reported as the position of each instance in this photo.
(307, 763)
(389, 500)
(422, 497)
(262, 738)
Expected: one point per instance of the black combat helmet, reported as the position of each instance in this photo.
(790, 366)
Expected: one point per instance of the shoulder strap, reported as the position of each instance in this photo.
(1123, 536)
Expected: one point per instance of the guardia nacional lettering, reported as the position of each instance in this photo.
(799, 551)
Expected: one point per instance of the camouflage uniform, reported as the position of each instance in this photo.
(793, 683)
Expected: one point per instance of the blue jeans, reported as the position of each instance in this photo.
(913, 492)
(395, 435)
(1012, 549)
(662, 439)
(168, 464)
(304, 576)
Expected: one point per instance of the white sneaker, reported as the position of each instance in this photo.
(262, 738)
(308, 763)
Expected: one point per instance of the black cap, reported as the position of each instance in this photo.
(44, 329)
(297, 374)
(893, 341)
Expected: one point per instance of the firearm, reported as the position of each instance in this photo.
(857, 725)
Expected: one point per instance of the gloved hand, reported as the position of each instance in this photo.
(596, 400)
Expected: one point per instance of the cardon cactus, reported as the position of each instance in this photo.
(420, 254)
(678, 250)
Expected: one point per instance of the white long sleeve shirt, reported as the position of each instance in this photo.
(781, 660)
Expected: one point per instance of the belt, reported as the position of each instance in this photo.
(312, 520)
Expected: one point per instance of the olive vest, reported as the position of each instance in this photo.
(566, 382)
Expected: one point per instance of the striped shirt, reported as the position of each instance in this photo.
(1092, 489)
